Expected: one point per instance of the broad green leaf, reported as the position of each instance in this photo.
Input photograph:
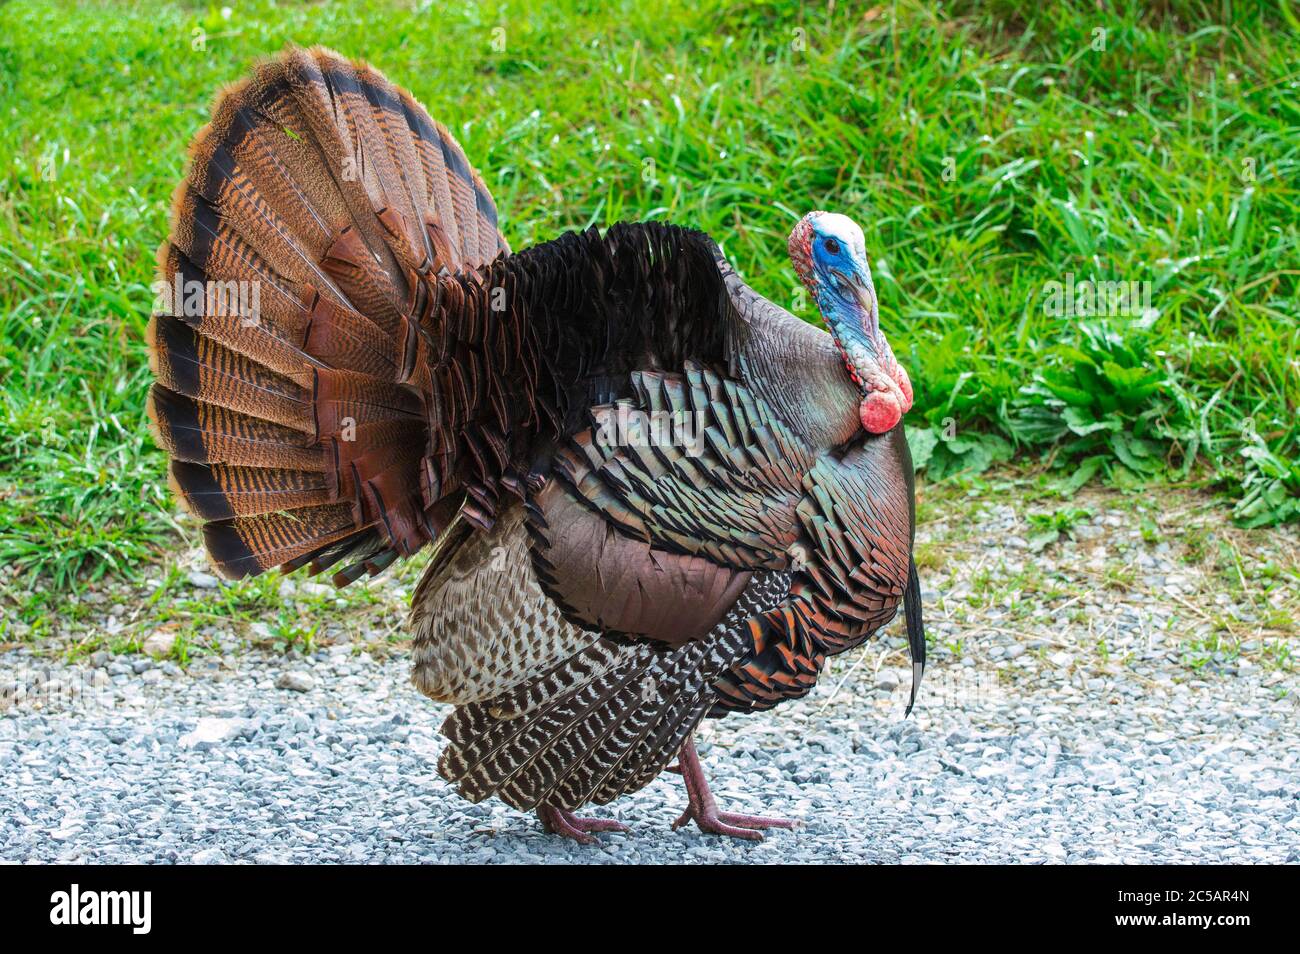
(1082, 422)
(1086, 470)
(921, 441)
(1067, 389)
(1041, 541)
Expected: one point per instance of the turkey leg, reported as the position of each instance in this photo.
(703, 809)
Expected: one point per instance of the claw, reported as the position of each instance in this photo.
(566, 824)
(703, 809)
(732, 824)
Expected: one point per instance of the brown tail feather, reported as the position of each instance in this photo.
(246, 546)
(318, 195)
(197, 367)
(222, 492)
(190, 430)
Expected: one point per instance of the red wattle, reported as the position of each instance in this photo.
(879, 412)
(904, 385)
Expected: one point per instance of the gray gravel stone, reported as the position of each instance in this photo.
(199, 770)
(1061, 721)
(211, 732)
(159, 644)
(296, 681)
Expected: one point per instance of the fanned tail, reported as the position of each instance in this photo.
(316, 201)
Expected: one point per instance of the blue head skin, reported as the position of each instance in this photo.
(830, 257)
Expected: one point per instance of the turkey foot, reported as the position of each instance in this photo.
(557, 821)
(703, 809)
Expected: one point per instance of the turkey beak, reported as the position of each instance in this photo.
(856, 286)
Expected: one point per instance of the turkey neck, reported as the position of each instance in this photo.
(800, 374)
(793, 366)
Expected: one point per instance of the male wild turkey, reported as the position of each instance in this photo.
(653, 496)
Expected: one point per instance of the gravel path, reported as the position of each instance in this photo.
(1030, 744)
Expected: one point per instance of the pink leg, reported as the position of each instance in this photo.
(557, 821)
(703, 809)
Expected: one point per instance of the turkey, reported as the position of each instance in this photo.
(651, 496)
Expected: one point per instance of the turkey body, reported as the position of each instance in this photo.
(648, 491)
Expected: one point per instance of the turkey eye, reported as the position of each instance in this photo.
(832, 246)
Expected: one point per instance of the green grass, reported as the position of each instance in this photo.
(987, 150)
